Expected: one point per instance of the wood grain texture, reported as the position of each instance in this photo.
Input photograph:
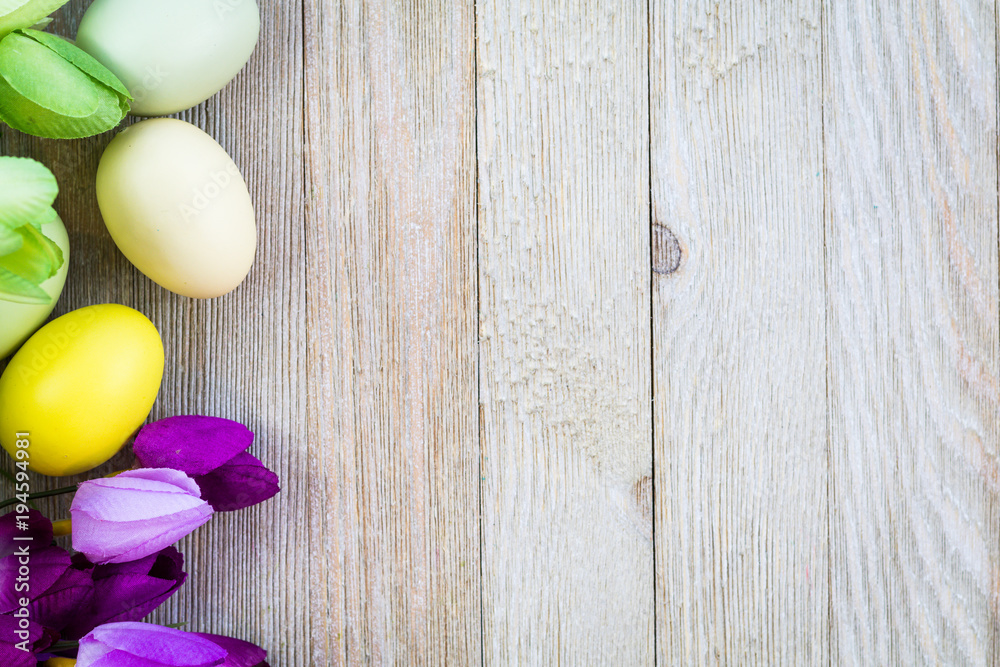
(597, 333)
(240, 356)
(911, 226)
(564, 323)
(739, 358)
(392, 332)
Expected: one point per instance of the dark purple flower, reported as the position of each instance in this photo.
(241, 482)
(12, 536)
(127, 591)
(135, 514)
(213, 451)
(21, 639)
(146, 645)
(30, 575)
(240, 653)
(62, 602)
(38, 573)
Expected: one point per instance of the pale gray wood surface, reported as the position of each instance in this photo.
(911, 168)
(739, 358)
(598, 333)
(392, 333)
(565, 338)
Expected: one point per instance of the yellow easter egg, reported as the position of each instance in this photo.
(79, 388)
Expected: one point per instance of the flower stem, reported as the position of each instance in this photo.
(40, 494)
(62, 528)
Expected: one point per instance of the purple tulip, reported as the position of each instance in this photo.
(62, 602)
(127, 591)
(240, 653)
(146, 645)
(135, 514)
(17, 634)
(37, 527)
(43, 567)
(53, 588)
(213, 451)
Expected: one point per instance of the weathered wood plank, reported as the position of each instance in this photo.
(392, 332)
(739, 358)
(911, 226)
(240, 356)
(564, 321)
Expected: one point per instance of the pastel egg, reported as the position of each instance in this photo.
(171, 54)
(178, 208)
(79, 388)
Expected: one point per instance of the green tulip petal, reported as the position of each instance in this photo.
(37, 73)
(10, 241)
(38, 259)
(50, 88)
(15, 288)
(46, 217)
(29, 118)
(24, 115)
(22, 272)
(27, 190)
(15, 14)
(27, 257)
(85, 62)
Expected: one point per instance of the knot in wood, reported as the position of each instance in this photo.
(667, 253)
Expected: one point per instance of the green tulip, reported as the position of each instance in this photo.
(27, 257)
(15, 14)
(50, 88)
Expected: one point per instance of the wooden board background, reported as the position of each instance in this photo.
(597, 332)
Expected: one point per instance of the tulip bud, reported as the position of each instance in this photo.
(50, 88)
(47, 569)
(240, 653)
(127, 591)
(128, 644)
(213, 451)
(28, 257)
(135, 514)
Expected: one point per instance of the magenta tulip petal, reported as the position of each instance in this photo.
(12, 633)
(37, 527)
(123, 659)
(135, 514)
(45, 566)
(140, 644)
(212, 450)
(58, 606)
(10, 656)
(241, 482)
(241, 653)
(128, 591)
(193, 444)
